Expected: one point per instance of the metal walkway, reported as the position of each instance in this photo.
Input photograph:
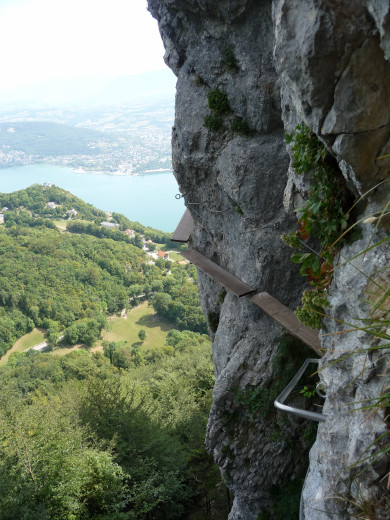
(183, 231)
(288, 320)
(264, 300)
(220, 275)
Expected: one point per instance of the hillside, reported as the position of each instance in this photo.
(68, 283)
(113, 433)
(124, 138)
(104, 443)
(46, 139)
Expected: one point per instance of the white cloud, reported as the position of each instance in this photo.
(52, 39)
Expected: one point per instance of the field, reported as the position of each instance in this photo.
(141, 317)
(25, 342)
(120, 329)
(175, 256)
(61, 224)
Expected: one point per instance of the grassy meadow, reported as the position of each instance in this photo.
(141, 317)
(175, 256)
(120, 329)
(27, 341)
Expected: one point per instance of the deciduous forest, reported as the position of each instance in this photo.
(111, 434)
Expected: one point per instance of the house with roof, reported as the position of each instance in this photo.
(163, 254)
(71, 212)
(51, 205)
(1, 218)
(130, 232)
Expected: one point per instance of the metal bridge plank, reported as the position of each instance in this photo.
(220, 275)
(184, 228)
(288, 320)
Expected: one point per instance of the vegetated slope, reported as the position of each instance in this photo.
(33, 201)
(35, 198)
(107, 137)
(113, 435)
(68, 283)
(102, 443)
(44, 138)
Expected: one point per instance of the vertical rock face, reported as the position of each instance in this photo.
(247, 72)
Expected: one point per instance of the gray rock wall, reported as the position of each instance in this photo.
(280, 62)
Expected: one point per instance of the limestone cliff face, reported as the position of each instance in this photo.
(279, 63)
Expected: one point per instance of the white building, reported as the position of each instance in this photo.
(109, 225)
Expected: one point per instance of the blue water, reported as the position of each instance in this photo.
(148, 199)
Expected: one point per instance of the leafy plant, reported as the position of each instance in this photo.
(213, 122)
(307, 149)
(221, 297)
(322, 217)
(257, 400)
(230, 60)
(311, 311)
(213, 320)
(239, 210)
(241, 126)
(292, 239)
(308, 392)
(218, 102)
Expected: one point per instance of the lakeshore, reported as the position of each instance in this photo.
(148, 198)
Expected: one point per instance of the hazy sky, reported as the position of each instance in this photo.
(56, 39)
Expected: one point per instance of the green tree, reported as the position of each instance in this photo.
(142, 335)
(122, 357)
(49, 468)
(137, 241)
(109, 347)
(155, 460)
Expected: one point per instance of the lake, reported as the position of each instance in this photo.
(148, 198)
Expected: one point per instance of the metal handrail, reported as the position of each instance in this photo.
(314, 416)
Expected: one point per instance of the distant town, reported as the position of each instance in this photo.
(124, 140)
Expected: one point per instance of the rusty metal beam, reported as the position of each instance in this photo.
(220, 275)
(264, 300)
(184, 228)
(288, 320)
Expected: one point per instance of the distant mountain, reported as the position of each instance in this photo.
(149, 86)
(49, 139)
(116, 124)
(122, 138)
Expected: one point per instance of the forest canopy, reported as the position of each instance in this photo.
(70, 282)
(116, 434)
